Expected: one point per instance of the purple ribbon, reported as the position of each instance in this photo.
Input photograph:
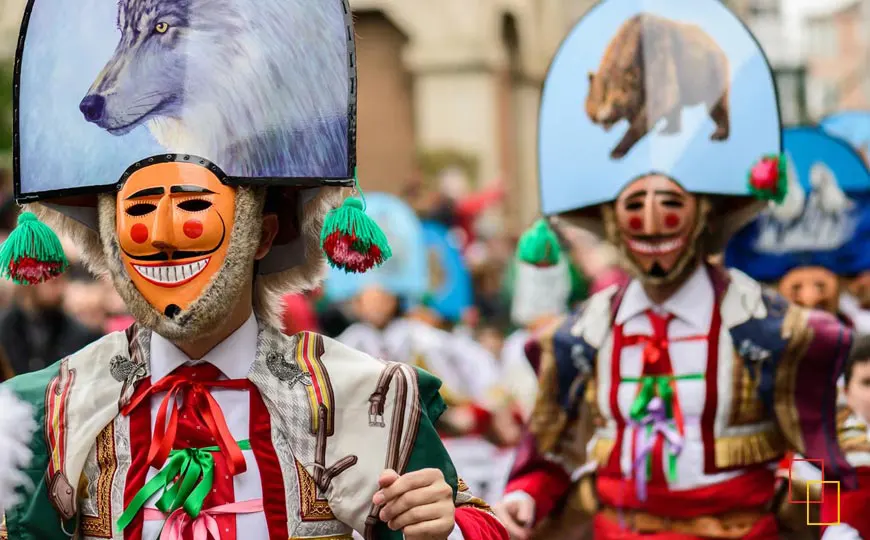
(654, 423)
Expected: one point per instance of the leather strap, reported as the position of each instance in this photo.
(728, 525)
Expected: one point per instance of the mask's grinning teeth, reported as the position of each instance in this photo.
(171, 275)
(656, 248)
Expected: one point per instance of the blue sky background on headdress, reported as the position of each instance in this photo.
(574, 154)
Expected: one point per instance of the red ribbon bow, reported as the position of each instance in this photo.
(655, 347)
(206, 408)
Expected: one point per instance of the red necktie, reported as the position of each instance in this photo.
(193, 432)
(656, 358)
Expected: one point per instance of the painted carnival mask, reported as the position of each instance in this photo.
(173, 223)
(657, 223)
(812, 287)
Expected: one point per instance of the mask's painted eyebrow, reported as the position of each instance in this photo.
(669, 192)
(147, 192)
(190, 189)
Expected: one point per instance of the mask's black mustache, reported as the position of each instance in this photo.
(161, 256)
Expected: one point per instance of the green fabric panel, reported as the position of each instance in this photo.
(36, 518)
(428, 452)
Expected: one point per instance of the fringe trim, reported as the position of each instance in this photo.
(796, 329)
(751, 449)
(548, 420)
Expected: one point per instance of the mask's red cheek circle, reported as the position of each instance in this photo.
(193, 228)
(139, 233)
(635, 223)
(672, 220)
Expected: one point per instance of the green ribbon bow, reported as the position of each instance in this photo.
(652, 385)
(185, 481)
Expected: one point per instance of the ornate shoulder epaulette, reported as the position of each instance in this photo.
(761, 343)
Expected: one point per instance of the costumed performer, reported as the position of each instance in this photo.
(696, 379)
(205, 197)
(802, 247)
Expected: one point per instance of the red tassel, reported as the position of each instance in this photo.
(345, 252)
(30, 271)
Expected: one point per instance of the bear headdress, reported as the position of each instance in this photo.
(674, 88)
(262, 95)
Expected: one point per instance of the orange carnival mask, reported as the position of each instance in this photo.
(656, 221)
(173, 222)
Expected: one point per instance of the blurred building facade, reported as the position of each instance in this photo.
(766, 20)
(10, 21)
(458, 76)
(837, 48)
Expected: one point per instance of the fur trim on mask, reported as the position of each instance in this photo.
(85, 239)
(269, 289)
(102, 257)
(205, 314)
(697, 250)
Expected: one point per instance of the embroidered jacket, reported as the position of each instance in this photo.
(325, 421)
(770, 377)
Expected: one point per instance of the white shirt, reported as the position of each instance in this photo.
(234, 357)
(850, 306)
(692, 308)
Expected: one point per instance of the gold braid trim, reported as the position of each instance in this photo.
(751, 449)
(3, 534)
(548, 419)
(465, 499)
(796, 330)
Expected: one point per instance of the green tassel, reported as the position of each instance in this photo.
(539, 245)
(352, 241)
(32, 253)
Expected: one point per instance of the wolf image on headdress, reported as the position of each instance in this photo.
(183, 68)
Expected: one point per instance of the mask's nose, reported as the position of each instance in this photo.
(163, 237)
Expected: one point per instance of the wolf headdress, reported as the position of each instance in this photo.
(159, 82)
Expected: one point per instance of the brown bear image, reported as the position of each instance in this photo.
(653, 68)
